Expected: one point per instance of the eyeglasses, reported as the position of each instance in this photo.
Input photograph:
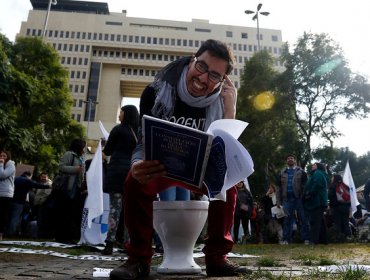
(202, 67)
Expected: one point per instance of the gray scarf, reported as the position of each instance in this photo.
(170, 82)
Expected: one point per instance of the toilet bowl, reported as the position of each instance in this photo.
(178, 225)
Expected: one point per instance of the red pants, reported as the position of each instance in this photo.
(138, 215)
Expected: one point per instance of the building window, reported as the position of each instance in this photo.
(78, 35)
(155, 40)
(112, 37)
(148, 40)
(202, 30)
(130, 39)
(229, 34)
(61, 34)
(76, 48)
(274, 38)
(74, 61)
(72, 34)
(88, 48)
(85, 61)
(100, 36)
(68, 60)
(82, 48)
(244, 35)
(106, 37)
(67, 34)
(82, 88)
(83, 35)
(76, 88)
(28, 32)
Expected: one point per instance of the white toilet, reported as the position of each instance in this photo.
(178, 224)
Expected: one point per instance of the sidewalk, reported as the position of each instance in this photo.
(61, 268)
(45, 263)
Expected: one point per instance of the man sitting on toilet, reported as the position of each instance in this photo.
(193, 91)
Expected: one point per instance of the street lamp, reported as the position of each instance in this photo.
(54, 2)
(255, 17)
(89, 102)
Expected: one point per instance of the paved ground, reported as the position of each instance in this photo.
(27, 267)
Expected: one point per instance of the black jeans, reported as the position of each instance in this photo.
(318, 230)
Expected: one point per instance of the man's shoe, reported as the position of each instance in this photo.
(227, 268)
(130, 270)
(108, 249)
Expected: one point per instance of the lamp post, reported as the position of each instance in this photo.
(89, 102)
(54, 2)
(255, 17)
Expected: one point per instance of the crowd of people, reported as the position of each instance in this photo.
(194, 91)
(312, 208)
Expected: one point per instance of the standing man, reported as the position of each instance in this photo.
(192, 91)
(289, 194)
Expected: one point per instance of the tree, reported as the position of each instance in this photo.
(271, 133)
(36, 123)
(321, 87)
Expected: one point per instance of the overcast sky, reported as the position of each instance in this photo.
(347, 22)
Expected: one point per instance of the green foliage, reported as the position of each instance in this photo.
(36, 124)
(271, 133)
(320, 85)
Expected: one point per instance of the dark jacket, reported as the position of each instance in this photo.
(299, 180)
(121, 142)
(22, 185)
(316, 190)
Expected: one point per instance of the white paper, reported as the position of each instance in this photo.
(234, 127)
(278, 212)
(238, 160)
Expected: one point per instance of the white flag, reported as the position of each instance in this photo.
(348, 180)
(103, 130)
(94, 180)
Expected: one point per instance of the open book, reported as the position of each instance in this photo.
(214, 158)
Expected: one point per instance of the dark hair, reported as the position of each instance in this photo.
(8, 154)
(320, 166)
(77, 146)
(290, 155)
(218, 49)
(26, 173)
(131, 116)
(337, 179)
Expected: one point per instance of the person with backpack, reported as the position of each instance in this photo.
(340, 204)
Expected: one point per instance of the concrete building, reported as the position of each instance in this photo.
(111, 56)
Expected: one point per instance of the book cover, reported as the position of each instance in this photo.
(183, 150)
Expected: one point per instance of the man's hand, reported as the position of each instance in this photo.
(145, 170)
(229, 96)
